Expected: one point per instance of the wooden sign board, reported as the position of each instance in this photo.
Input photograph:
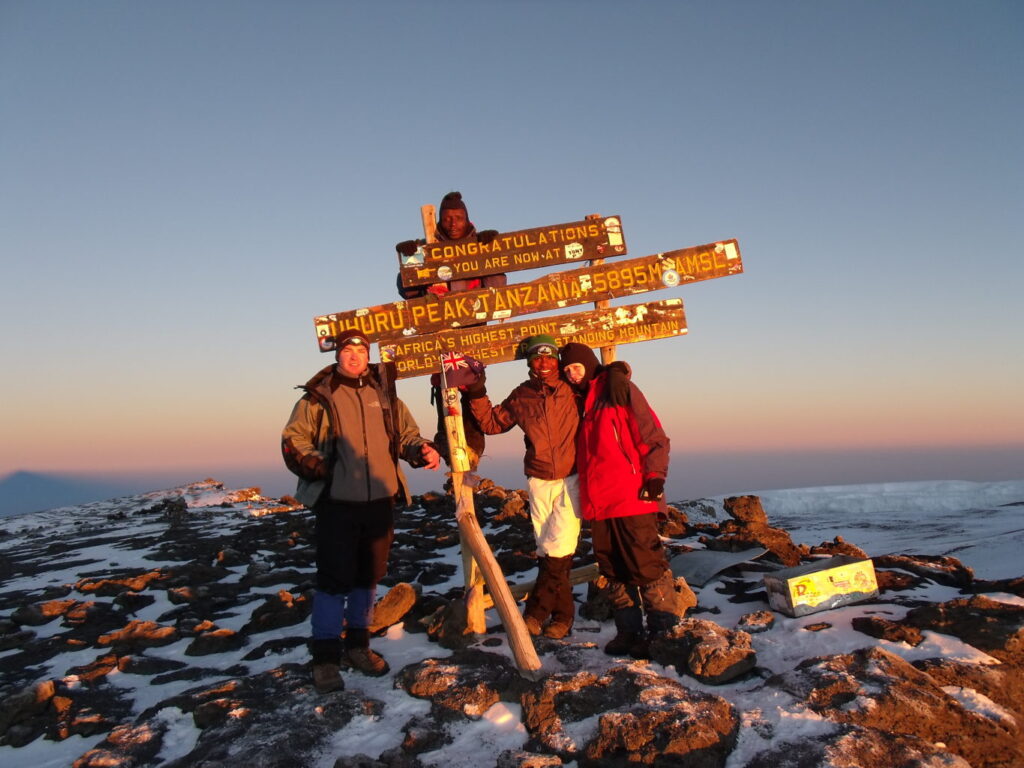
(558, 290)
(419, 356)
(514, 251)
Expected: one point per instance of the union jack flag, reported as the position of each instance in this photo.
(453, 361)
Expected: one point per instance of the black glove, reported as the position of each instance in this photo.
(478, 388)
(313, 467)
(487, 236)
(407, 247)
(618, 383)
(653, 489)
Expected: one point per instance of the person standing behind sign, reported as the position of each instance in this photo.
(453, 226)
(544, 407)
(343, 440)
(622, 456)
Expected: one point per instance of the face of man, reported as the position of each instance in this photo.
(545, 366)
(353, 360)
(575, 372)
(455, 222)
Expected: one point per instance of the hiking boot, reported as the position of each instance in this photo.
(557, 629)
(327, 678)
(367, 662)
(640, 649)
(622, 643)
(532, 625)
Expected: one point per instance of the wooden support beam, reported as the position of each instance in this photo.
(579, 575)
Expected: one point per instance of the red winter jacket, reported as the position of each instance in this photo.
(617, 448)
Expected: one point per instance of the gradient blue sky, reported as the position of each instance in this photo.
(184, 185)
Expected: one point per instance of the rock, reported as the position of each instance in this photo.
(465, 685)
(705, 650)
(873, 688)
(675, 522)
(449, 628)
(854, 747)
(838, 546)
(942, 570)
(41, 613)
(990, 626)
(393, 607)
(894, 581)
(280, 610)
(642, 718)
(230, 558)
(517, 758)
(215, 641)
(25, 704)
(136, 635)
(746, 509)
(512, 508)
(758, 621)
(884, 629)
(424, 734)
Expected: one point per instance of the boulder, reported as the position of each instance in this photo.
(704, 650)
(641, 718)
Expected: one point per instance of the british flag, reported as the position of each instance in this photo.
(453, 361)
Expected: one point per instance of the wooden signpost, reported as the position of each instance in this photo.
(416, 333)
(557, 290)
(528, 249)
(489, 344)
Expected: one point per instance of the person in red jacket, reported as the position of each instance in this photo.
(622, 456)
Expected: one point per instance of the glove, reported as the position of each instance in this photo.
(313, 467)
(478, 388)
(407, 247)
(653, 489)
(618, 383)
(487, 236)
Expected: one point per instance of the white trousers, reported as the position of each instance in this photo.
(555, 512)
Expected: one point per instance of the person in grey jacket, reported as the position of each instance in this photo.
(343, 440)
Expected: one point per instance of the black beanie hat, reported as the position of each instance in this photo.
(351, 336)
(574, 352)
(452, 200)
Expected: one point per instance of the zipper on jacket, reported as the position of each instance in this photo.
(622, 448)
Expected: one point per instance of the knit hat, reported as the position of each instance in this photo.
(541, 344)
(351, 336)
(574, 352)
(452, 200)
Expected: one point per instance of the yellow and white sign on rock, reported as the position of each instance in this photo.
(821, 585)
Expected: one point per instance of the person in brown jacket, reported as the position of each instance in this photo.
(544, 407)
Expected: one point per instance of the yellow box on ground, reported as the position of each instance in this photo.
(821, 585)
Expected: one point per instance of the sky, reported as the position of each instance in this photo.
(186, 185)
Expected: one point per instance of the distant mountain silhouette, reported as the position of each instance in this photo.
(22, 492)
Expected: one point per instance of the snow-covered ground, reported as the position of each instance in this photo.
(982, 524)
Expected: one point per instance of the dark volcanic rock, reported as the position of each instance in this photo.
(642, 719)
(854, 747)
(994, 627)
(237, 727)
(885, 629)
(942, 570)
(749, 529)
(705, 650)
(465, 685)
(875, 689)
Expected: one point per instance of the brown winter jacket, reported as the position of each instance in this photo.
(548, 416)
